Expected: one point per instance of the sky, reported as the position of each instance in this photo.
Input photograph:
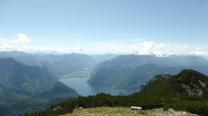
(161, 27)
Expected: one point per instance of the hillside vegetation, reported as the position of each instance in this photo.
(186, 91)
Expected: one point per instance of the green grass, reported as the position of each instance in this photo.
(121, 111)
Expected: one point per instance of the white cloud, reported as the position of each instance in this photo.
(23, 43)
(22, 37)
(19, 43)
(160, 49)
(150, 47)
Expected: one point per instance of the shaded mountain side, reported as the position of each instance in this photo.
(186, 91)
(30, 79)
(143, 74)
(127, 73)
(28, 88)
(58, 90)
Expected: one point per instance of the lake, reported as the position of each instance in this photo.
(79, 84)
(84, 89)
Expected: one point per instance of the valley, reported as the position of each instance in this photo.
(186, 91)
(103, 57)
(44, 80)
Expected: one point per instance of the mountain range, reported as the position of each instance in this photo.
(61, 65)
(125, 74)
(114, 74)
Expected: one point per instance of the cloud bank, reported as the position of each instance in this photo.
(23, 43)
(20, 43)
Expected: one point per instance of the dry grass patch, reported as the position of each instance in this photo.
(120, 111)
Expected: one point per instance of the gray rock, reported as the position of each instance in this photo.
(171, 110)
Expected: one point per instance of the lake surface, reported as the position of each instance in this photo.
(84, 89)
(79, 84)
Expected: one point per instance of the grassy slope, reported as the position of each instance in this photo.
(118, 111)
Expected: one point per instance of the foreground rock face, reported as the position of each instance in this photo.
(117, 111)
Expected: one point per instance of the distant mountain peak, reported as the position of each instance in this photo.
(9, 59)
(190, 73)
(188, 82)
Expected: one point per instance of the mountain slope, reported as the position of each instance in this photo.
(187, 83)
(127, 73)
(29, 88)
(31, 79)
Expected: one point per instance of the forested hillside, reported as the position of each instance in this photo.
(186, 91)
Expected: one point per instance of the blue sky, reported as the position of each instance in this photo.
(86, 23)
